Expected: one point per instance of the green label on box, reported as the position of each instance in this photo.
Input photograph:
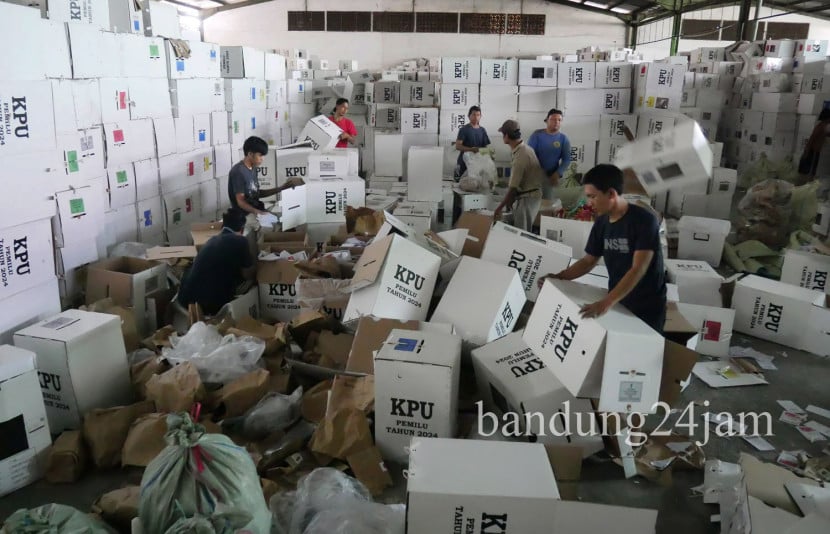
(154, 50)
(76, 206)
(72, 161)
(121, 177)
(236, 127)
(177, 216)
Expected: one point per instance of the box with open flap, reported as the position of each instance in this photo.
(616, 357)
(277, 294)
(394, 278)
(512, 379)
(127, 281)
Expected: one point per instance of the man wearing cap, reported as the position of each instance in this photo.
(526, 176)
(553, 149)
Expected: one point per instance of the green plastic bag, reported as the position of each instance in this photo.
(804, 203)
(219, 523)
(53, 519)
(200, 474)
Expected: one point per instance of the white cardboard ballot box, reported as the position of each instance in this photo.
(511, 378)
(461, 70)
(277, 294)
(82, 365)
(714, 327)
(806, 269)
(322, 200)
(27, 257)
(615, 357)
(416, 395)
(702, 239)
(532, 256)
(23, 424)
(474, 484)
(674, 157)
(481, 316)
(780, 312)
(394, 278)
(322, 133)
(569, 232)
(697, 282)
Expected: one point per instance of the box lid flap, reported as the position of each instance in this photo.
(276, 272)
(371, 262)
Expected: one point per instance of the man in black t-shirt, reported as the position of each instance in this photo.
(219, 268)
(243, 186)
(627, 237)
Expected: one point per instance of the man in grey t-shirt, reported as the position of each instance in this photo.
(243, 186)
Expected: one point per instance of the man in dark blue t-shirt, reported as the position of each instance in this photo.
(627, 237)
(222, 264)
(471, 137)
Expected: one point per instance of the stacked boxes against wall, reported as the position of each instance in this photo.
(775, 101)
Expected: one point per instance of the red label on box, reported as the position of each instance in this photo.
(118, 136)
(711, 331)
(188, 203)
(190, 167)
(122, 100)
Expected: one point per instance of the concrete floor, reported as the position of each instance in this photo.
(800, 378)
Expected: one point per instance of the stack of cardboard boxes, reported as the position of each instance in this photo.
(775, 101)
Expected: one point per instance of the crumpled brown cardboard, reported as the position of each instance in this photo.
(129, 325)
(269, 488)
(334, 347)
(237, 397)
(177, 389)
(344, 433)
(143, 371)
(315, 402)
(324, 267)
(308, 322)
(105, 431)
(68, 458)
(368, 467)
(119, 507)
(145, 440)
(160, 339)
(272, 335)
(352, 392)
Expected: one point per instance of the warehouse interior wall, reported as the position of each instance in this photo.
(661, 31)
(266, 26)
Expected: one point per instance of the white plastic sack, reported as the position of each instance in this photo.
(479, 167)
(218, 359)
(348, 516)
(320, 490)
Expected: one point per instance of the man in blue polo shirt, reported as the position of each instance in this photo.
(553, 149)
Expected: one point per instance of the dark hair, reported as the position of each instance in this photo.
(824, 115)
(473, 109)
(514, 135)
(341, 101)
(605, 177)
(554, 111)
(256, 145)
(234, 220)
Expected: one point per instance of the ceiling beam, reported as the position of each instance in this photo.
(226, 7)
(592, 9)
